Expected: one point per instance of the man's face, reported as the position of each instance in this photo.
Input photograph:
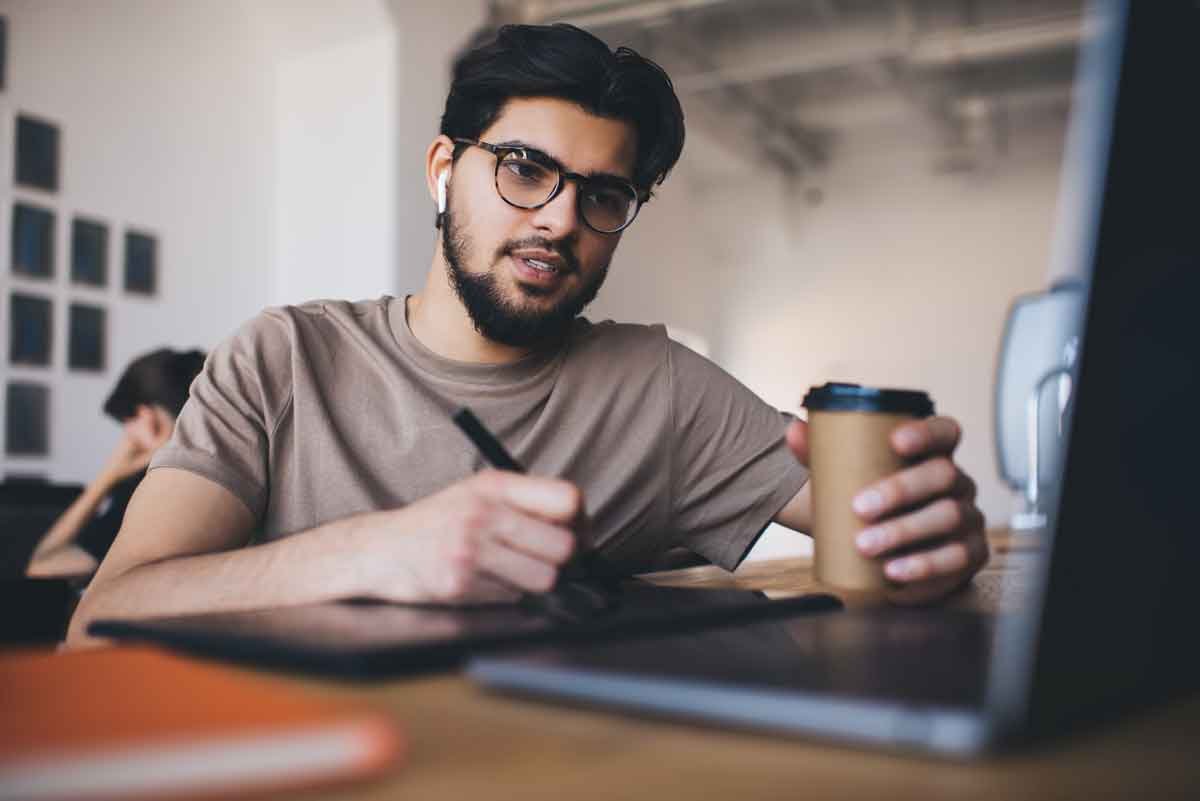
(489, 244)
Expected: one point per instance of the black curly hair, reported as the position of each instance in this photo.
(159, 378)
(566, 62)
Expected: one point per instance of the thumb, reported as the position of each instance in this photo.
(797, 440)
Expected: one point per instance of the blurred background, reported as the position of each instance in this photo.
(867, 186)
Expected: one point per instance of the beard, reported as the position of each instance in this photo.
(495, 316)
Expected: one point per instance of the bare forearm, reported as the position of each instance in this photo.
(797, 514)
(308, 567)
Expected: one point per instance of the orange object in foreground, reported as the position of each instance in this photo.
(124, 722)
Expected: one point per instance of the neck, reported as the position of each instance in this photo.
(440, 322)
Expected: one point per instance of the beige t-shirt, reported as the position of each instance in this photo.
(316, 412)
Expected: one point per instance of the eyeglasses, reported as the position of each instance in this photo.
(529, 179)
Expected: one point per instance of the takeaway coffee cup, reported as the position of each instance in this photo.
(849, 427)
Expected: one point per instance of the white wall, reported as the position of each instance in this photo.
(165, 120)
(258, 139)
(334, 94)
(900, 276)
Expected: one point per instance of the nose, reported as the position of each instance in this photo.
(558, 217)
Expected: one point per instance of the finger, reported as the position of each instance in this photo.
(486, 590)
(958, 558)
(797, 439)
(909, 487)
(548, 498)
(474, 568)
(940, 519)
(929, 436)
(532, 536)
(515, 568)
(964, 487)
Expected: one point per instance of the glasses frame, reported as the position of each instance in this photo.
(564, 175)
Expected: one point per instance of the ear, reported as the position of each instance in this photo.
(439, 159)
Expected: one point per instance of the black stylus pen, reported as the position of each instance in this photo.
(564, 602)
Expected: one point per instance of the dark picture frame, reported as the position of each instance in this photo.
(32, 241)
(27, 419)
(141, 263)
(37, 156)
(89, 252)
(30, 330)
(87, 337)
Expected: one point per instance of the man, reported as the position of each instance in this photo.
(324, 429)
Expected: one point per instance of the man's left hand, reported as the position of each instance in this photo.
(922, 521)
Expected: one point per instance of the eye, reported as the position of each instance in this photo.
(524, 169)
(608, 199)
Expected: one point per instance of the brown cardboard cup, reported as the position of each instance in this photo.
(849, 429)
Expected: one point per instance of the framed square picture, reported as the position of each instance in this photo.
(87, 337)
(27, 419)
(141, 263)
(30, 330)
(89, 252)
(37, 153)
(32, 241)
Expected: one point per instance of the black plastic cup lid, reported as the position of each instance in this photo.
(838, 397)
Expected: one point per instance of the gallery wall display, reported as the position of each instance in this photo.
(39, 286)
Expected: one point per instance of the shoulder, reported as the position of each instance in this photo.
(278, 329)
(612, 337)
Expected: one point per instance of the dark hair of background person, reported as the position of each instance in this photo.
(568, 63)
(159, 378)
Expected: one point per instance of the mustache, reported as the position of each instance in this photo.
(562, 248)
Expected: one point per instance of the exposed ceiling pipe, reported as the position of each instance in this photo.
(934, 49)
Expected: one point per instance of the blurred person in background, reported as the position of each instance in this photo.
(146, 402)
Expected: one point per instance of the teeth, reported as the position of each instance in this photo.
(541, 265)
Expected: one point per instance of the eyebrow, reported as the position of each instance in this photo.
(609, 176)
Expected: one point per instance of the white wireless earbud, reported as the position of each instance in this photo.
(441, 197)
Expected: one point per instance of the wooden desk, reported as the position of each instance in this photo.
(467, 744)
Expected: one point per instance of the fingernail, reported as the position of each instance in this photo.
(901, 568)
(869, 539)
(869, 502)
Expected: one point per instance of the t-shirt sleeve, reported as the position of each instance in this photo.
(224, 430)
(732, 470)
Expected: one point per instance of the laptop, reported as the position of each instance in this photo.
(1110, 619)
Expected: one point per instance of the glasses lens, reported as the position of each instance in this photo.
(607, 207)
(523, 181)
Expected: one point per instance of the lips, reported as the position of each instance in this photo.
(539, 266)
(537, 271)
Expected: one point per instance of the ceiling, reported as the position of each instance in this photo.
(779, 82)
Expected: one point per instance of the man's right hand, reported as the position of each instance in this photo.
(182, 550)
(485, 539)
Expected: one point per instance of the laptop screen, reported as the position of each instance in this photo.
(1110, 629)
